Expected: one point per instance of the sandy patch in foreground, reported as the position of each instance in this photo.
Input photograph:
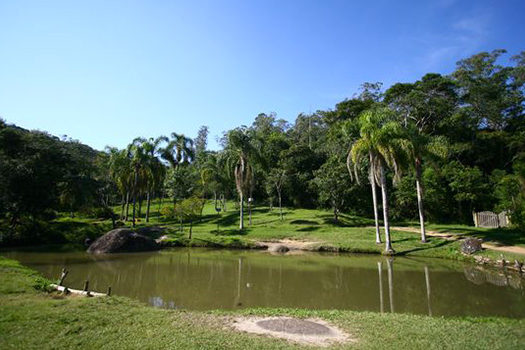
(308, 331)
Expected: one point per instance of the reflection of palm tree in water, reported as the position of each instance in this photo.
(389, 264)
(237, 301)
(380, 272)
(427, 280)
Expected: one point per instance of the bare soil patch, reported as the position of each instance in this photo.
(294, 246)
(308, 331)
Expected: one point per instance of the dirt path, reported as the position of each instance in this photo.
(453, 237)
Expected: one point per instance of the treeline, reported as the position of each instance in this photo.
(436, 149)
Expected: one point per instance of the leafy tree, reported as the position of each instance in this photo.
(333, 184)
(491, 97)
(200, 142)
(275, 181)
(189, 209)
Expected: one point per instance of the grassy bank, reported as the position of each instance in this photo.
(30, 317)
(350, 234)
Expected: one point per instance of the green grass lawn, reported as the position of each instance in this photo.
(31, 318)
(351, 234)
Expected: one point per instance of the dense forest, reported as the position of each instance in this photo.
(435, 150)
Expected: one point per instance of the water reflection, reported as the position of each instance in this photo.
(380, 271)
(427, 283)
(205, 279)
(389, 262)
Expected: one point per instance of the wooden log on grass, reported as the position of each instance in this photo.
(77, 292)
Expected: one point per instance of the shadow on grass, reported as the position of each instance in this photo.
(304, 222)
(424, 246)
(503, 236)
(230, 232)
(308, 229)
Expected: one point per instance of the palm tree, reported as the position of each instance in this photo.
(120, 171)
(382, 142)
(421, 106)
(371, 176)
(155, 170)
(179, 149)
(139, 159)
(423, 146)
(242, 153)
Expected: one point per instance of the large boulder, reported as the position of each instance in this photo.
(471, 245)
(122, 240)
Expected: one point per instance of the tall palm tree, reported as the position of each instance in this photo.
(421, 106)
(350, 129)
(382, 142)
(241, 154)
(423, 146)
(155, 171)
(120, 171)
(179, 149)
(138, 156)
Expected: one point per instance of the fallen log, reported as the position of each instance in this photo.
(77, 292)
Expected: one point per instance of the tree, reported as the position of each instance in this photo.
(200, 142)
(381, 141)
(178, 151)
(189, 210)
(489, 93)
(276, 179)
(138, 156)
(422, 106)
(242, 153)
(333, 184)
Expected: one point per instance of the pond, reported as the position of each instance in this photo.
(203, 279)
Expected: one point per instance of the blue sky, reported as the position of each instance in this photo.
(105, 72)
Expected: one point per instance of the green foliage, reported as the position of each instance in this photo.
(460, 136)
(333, 184)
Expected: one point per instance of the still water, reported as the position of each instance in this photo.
(202, 279)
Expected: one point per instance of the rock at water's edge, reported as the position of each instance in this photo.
(278, 248)
(122, 240)
(471, 245)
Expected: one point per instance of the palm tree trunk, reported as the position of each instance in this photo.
(127, 206)
(374, 200)
(123, 207)
(250, 212)
(241, 212)
(148, 206)
(384, 193)
(280, 207)
(419, 189)
(135, 195)
(160, 201)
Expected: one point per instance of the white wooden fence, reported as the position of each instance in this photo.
(490, 219)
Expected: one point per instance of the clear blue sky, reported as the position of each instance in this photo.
(105, 72)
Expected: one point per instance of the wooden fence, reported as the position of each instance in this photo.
(490, 219)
